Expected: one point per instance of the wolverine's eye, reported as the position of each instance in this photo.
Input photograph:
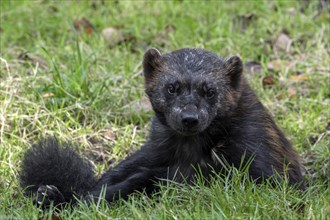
(171, 89)
(210, 93)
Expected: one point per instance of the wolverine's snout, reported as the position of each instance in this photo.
(189, 116)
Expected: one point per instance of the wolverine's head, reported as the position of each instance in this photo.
(189, 88)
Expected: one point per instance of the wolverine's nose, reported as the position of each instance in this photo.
(189, 116)
(189, 119)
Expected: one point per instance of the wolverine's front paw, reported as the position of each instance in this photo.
(48, 194)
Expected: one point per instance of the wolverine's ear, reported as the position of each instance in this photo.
(151, 62)
(234, 68)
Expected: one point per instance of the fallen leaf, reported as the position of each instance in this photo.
(83, 25)
(112, 36)
(278, 65)
(283, 43)
(275, 65)
(292, 92)
(253, 67)
(300, 77)
(268, 81)
(109, 135)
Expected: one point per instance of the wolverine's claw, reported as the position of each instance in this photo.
(48, 194)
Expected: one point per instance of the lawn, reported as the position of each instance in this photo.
(72, 69)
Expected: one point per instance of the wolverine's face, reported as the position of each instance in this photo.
(189, 102)
(188, 88)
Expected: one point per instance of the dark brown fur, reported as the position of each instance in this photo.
(206, 115)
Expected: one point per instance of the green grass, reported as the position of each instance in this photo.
(57, 81)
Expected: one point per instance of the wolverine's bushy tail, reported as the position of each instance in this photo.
(48, 163)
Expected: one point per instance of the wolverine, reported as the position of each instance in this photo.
(206, 116)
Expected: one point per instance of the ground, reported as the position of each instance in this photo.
(72, 69)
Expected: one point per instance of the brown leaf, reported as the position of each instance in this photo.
(112, 36)
(283, 43)
(268, 81)
(275, 65)
(83, 25)
(109, 135)
(278, 65)
(253, 67)
(292, 92)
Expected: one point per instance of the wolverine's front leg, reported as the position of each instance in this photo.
(143, 180)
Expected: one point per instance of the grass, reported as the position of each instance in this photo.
(56, 80)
